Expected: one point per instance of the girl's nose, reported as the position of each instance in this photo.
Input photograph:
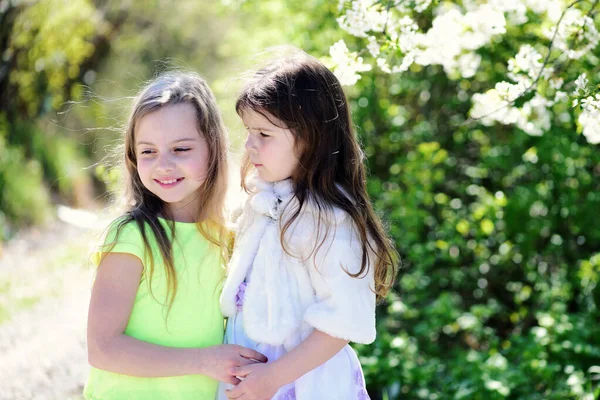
(165, 162)
(250, 146)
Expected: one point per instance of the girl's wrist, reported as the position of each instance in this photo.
(281, 373)
(201, 361)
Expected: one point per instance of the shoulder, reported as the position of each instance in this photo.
(122, 235)
(123, 228)
(325, 212)
(315, 214)
(322, 227)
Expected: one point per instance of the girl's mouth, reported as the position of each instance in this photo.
(168, 183)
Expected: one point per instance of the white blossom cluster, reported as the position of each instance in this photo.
(590, 114)
(395, 42)
(450, 42)
(495, 105)
(348, 64)
(576, 36)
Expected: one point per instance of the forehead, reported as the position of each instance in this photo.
(168, 123)
(261, 120)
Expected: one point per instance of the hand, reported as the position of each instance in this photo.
(260, 382)
(219, 360)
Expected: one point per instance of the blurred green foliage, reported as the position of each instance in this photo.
(22, 196)
(498, 297)
(47, 46)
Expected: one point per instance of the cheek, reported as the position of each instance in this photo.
(279, 151)
(197, 165)
(143, 168)
(284, 159)
(292, 163)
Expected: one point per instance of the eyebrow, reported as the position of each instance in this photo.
(259, 128)
(176, 141)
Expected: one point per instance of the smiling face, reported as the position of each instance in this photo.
(271, 148)
(172, 157)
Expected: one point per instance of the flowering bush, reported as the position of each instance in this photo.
(480, 121)
(556, 42)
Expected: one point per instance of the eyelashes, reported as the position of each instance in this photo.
(177, 150)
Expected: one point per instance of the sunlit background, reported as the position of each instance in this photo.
(480, 122)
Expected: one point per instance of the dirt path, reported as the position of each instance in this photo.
(45, 283)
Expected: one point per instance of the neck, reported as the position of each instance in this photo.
(182, 214)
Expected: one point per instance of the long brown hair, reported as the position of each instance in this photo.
(306, 97)
(143, 206)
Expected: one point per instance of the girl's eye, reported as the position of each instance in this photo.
(146, 152)
(264, 135)
(179, 149)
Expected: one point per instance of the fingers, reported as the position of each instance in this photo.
(242, 371)
(247, 361)
(231, 379)
(253, 355)
(234, 393)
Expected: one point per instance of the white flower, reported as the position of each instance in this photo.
(454, 37)
(590, 122)
(407, 61)
(541, 6)
(516, 10)
(554, 9)
(441, 44)
(406, 36)
(497, 361)
(491, 107)
(364, 16)
(560, 96)
(422, 5)
(581, 84)
(497, 386)
(468, 64)
(373, 46)
(526, 61)
(348, 64)
(589, 103)
(535, 117)
(509, 92)
(486, 20)
(556, 83)
(383, 65)
(418, 6)
(467, 321)
(575, 28)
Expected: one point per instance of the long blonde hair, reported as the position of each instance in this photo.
(142, 206)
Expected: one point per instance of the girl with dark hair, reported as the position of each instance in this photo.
(311, 256)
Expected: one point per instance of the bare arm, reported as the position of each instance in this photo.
(263, 381)
(316, 349)
(110, 349)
